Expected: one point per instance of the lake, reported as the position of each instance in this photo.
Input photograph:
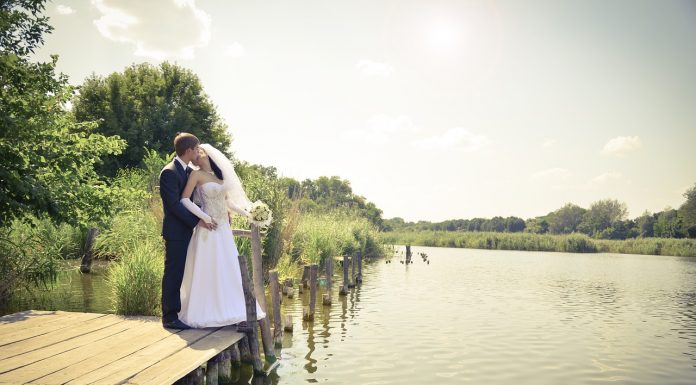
(493, 317)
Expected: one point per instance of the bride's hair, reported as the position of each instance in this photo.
(216, 169)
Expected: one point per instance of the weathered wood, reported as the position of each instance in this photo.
(359, 276)
(408, 254)
(100, 349)
(260, 294)
(313, 269)
(43, 325)
(305, 277)
(326, 299)
(287, 323)
(235, 355)
(329, 272)
(212, 371)
(185, 360)
(352, 274)
(300, 288)
(120, 370)
(291, 293)
(86, 265)
(195, 377)
(275, 298)
(225, 367)
(344, 287)
(250, 300)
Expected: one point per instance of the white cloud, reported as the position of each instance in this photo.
(556, 173)
(64, 9)
(606, 177)
(382, 129)
(234, 50)
(158, 29)
(371, 68)
(548, 143)
(621, 145)
(458, 137)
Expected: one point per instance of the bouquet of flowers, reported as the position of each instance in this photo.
(261, 214)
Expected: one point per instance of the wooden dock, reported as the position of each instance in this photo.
(56, 347)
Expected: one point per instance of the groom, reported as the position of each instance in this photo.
(177, 226)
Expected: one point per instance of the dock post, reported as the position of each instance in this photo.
(235, 353)
(212, 370)
(326, 298)
(250, 300)
(275, 298)
(309, 312)
(344, 288)
(260, 294)
(359, 277)
(351, 283)
(304, 282)
(225, 367)
(86, 265)
(287, 323)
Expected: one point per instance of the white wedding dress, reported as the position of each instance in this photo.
(211, 291)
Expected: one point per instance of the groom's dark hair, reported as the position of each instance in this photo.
(183, 141)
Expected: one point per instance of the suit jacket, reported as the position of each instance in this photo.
(178, 222)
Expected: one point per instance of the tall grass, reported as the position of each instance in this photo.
(136, 278)
(319, 236)
(576, 243)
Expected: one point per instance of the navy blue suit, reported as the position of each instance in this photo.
(177, 228)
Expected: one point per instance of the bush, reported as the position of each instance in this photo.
(136, 279)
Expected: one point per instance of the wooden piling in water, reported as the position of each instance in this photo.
(304, 282)
(275, 298)
(250, 300)
(87, 257)
(225, 367)
(344, 287)
(212, 370)
(291, 292)
(359, 276)
(326, 297)
(260, 294)
(235, 353)
(309, 312)
(287, 323)
(351, 283)
(408, 254)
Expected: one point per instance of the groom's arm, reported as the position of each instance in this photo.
(170, 197)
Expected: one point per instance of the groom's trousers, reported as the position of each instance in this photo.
(174, 263)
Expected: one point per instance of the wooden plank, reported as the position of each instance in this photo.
(52, 325)
(136, 329)
(184, 361)
(38, 320)
(125, 368)
(34, 343)
(43, 353)
(25, 315)
(112, 354)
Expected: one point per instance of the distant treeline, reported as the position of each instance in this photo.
(604, 219)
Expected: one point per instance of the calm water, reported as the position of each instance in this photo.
(493, 317)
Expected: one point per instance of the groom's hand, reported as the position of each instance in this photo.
(211, 226)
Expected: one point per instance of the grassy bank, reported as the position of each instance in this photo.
(574, 243)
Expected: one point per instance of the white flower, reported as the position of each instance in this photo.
(261, 214)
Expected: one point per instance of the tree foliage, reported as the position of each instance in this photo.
(147, 106)
(47, 157)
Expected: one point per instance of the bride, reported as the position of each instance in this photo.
(211, 290)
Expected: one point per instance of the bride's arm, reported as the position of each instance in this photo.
(237, 209)
(186, 199)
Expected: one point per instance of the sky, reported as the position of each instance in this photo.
(433, 109)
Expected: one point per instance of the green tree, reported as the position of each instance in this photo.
(147, 106)
(566, 219)
(688, 212)
(668, 224)
(47, 158)
(645, 224)
(601, 215)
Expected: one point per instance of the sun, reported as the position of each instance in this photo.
(443, 36)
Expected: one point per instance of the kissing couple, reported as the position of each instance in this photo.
(202, 282)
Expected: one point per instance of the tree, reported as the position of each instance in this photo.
(688, 212)
(47, 158)
(668, 224)
(601, 215)
(147, 106)
(645, 224)
(566, 219)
